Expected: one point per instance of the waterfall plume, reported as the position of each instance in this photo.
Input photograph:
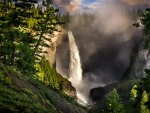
(75, 74)
(105, 39)
(75, 63)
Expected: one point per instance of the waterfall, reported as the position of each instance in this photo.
(82, 86)
(75, 64)
(75, 75)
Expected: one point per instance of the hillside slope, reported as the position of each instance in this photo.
(20, 95)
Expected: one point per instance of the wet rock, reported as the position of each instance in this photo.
(96, 94)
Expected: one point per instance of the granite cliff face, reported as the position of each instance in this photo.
(138, 59)
(54, 42)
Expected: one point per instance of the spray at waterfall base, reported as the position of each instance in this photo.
(103, 46)
(75, 76)
(82, 85)
(75, 73)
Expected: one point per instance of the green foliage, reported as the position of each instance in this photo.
(15, 102)
(46, 92)
(16, 44)
(142, 100)
(133, 93)
(5, 80)
(47, 74)
(143, 92)
(22, 29)
(14, 99)
(146, 21)
(16, 50)
(145, 99)
(4, 75)
(114, 104)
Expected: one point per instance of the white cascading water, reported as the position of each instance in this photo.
(75, 76)
(82, 86)
(75, 63)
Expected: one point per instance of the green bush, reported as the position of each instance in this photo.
(114, 104)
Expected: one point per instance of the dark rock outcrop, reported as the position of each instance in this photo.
(97, 94)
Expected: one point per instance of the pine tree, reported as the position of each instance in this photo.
(22, 29)
(144, 84)
(114, 104)
(142, 88)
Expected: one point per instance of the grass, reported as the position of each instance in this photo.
(19, 100)
(21, 95)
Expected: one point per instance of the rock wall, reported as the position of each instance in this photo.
(55, 40)
(140, 60)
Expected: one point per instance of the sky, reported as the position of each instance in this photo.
(92, 5)
(130, 2)
(88, 1)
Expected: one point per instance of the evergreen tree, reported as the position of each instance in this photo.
(144, 87)
(22, 29)
(16, 44)
(114, 104)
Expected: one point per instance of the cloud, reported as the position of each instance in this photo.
(137, 2)
(72, 6)
(68, 5)
(105, 41)
(131, 3)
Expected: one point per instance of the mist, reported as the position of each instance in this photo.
(106, 40)
(137, 2)
(67, 5)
